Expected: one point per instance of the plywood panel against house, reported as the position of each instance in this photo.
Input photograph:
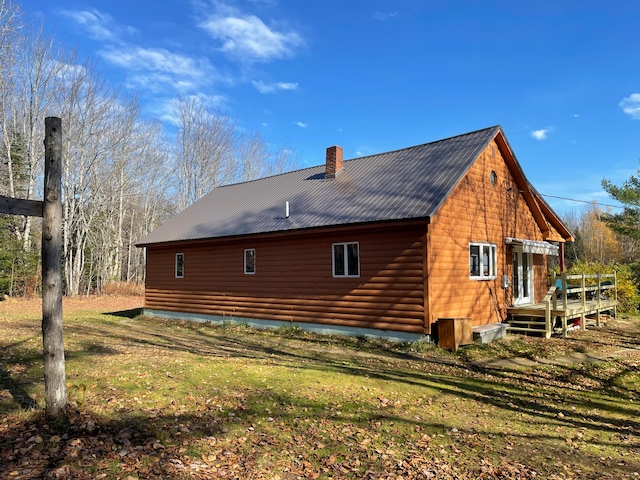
(479, 210)
(293, 280)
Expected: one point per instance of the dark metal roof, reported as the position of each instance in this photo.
(404, 184)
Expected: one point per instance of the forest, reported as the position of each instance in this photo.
(123, 173)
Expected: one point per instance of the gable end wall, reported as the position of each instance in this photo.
(476, 211)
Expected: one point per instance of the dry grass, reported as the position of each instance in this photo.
(123, 289)
(96, 303)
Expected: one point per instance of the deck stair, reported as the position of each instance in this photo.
(527, 320)
(527, 323)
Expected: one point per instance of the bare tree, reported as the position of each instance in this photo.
(10, 42)
(211, 151)
(204, 148)
(149, 206)
(37, 69)
(254, 159)
(136, 162)
(101, 150)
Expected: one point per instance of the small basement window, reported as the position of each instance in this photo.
(346, 260)
(250, 261)
(482, 261)
(179, 265)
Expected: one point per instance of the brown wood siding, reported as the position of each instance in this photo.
(476, 211)
(293, 280)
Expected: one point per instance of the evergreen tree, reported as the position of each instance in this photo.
(628, 221)
(18, 268)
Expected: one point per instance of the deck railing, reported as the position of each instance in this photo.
(584, 287)
(570, 297)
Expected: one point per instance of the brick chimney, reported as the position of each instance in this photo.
(334, 161)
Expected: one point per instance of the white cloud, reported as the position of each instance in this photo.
(266, 3)
(384, 15)
(156, 59)
(154, 69)
(302, 124)
(274, 87)
(540, 134)
(631, 105)
(100, 26)
(248, 38)
(160, 65)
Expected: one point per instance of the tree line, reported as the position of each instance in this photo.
(123, 173)
(602, 245)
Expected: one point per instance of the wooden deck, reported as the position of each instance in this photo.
(570, 297)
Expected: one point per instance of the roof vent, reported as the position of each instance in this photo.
(334, 161)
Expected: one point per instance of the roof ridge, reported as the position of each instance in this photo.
(360, 158)
(427, 143)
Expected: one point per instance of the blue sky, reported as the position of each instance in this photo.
(561, 77)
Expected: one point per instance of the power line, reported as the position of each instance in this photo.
(582, 201)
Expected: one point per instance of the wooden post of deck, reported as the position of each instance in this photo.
(599, 294)
(615, 294)
(547, 314)
(564, 304)
(583, 318)
(555, 297)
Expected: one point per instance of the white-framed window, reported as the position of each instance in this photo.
(250, 261)
(346, 259)
(179, 265)
(482, 261)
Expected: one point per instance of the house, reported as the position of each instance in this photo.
(382, 245)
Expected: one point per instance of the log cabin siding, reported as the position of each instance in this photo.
(293, 280)
(477, 211)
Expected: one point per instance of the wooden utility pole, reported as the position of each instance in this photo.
(55, 383)
(55, 386)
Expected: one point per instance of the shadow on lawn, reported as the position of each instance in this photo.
(284, 427)
(25, 359)
(132, 313)
(551, 397)
(16, 390)
(559, 395)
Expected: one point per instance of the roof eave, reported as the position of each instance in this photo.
(542, 212)
(294, 232)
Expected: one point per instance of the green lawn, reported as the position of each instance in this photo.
(157, 399)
